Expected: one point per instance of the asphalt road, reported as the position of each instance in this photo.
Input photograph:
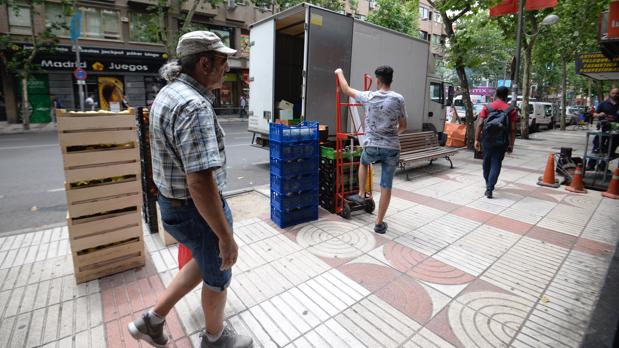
(32, 185)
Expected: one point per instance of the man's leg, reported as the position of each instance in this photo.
(213, 304)
(363, 176)
(385, 198)
(185, 280)
(496, 160)
(486, 163)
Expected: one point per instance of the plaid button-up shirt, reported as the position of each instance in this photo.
(185, 137)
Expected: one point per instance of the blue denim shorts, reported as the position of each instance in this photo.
(388, 159)
(186, 225)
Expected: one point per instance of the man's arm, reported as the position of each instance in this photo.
(478, 130)
(205, 195)
(351, 92)
(402, 125)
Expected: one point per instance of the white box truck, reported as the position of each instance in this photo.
(294, 53)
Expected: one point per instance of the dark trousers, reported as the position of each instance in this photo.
(493, 159)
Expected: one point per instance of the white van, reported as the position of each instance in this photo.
(478, 103)
(540, 113)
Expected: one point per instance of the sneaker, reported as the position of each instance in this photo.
(357, 199)
(143, 329)
(380, 228)
(228, 339)
(488, 194)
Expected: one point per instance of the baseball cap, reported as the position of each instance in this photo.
(201, 41)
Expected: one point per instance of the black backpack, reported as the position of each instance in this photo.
(496, 127)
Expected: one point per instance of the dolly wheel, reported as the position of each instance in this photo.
(370, 206)
(346, 212)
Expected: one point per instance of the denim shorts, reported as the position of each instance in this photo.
(186, 225)
(388, 159)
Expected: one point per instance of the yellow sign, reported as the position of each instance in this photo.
(588, 63)
(316, 20)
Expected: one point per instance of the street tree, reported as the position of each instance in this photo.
(19, 60)
(280, 5)
(576, 32)
(460, 44)
(397, 15)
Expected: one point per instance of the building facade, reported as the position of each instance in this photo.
(121, 52)
(431, 28)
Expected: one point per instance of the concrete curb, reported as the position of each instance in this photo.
(32, 229)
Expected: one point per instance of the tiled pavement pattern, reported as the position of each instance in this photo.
(454, 270)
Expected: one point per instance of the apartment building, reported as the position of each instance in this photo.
(120, 51)
(431, 28)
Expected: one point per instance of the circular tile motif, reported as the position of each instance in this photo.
(323, 241)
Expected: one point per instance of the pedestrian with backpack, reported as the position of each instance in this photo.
(495, 134)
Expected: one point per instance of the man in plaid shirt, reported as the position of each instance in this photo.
(189, 162)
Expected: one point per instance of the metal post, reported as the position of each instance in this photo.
(515, 83)
(80, 86)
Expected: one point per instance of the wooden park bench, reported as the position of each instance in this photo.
(422, 146)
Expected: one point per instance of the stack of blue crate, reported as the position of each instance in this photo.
(295, 162)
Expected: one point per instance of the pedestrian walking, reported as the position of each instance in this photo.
(607, 113)
(90, 103)
(243, 106)
(385, 118)
(189, 169)
(56, 105)
(495, 134)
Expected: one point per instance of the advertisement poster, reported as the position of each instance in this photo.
(111, 91)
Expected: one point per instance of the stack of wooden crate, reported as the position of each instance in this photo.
(104, 195)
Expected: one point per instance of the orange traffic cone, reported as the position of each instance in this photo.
(613, 187)
(577, 185)
(549, 174)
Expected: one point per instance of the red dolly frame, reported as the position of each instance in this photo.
(340, 137)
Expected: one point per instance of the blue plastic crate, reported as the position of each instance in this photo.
(296, 167)
(291, 151)
(286, 185)
(294, 217)
(286, 202)
(304, 131)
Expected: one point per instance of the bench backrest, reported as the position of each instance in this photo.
(410, 142)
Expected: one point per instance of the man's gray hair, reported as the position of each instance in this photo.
(173, 69)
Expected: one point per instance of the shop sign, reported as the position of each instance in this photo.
(107, 52)
(588, 63)
(97, 65)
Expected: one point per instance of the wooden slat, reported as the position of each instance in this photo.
(100, 157)
(78, 195)
(108, 171)
(96, 122)
(83, 209)
(77, 230)
(109, 268)
(65, 113)
(104, 238)
(98, 137)
(108, 253)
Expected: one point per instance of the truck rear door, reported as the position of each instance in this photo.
(261, 76)
(329, 47)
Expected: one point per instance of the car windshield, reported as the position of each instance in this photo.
(459, 102)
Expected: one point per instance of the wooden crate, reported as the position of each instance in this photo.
(104, 193)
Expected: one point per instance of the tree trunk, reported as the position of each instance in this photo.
(190, 14)
(526, 89)
(466, 98)
(600, 91)
(25, 110)
(563, 92)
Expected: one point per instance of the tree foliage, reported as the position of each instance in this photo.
(396, 15)
(19, 59)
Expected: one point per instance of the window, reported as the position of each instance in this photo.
(436, 40)
(424, 35)
(437, 17)
(224, 33)
(19, 21)
(143, 27)
(56, 14)
(100, 23)
(424, 13)
(436, 92)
